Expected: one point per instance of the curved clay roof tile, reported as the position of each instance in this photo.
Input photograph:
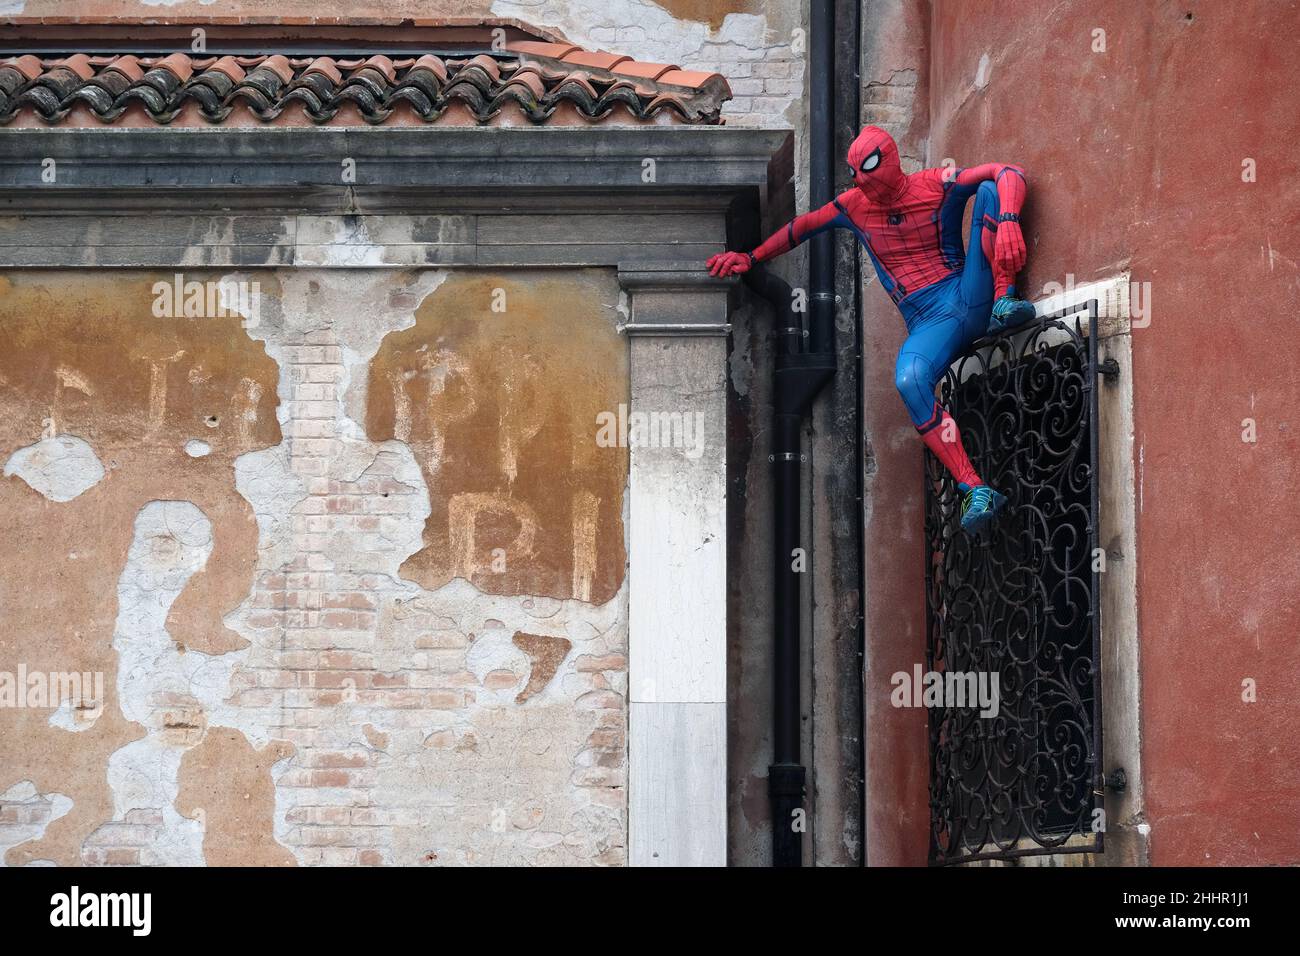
(29, 66)
(551, 82)
(384, 65)
(433, 64)
(644, 71)
(128, 66)
(228, 67)
(595, 60)
(178, 64)
(668, 101)
(487, 64)
(279, 64)
(79, 64)
(578, 78)
(691, 79)
(326, 67)
(555, 51)
(529, 80)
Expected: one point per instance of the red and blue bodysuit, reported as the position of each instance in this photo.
(949, 294)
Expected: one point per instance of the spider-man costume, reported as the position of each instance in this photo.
(910, 225)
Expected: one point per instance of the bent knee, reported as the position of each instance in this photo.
(913, 377)
(986, 199)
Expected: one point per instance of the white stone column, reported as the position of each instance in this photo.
(677, 800)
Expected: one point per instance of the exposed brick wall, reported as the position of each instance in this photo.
(376, 685)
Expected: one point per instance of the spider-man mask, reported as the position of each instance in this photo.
(873, 158)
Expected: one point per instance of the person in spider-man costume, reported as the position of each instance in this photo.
(910, 225)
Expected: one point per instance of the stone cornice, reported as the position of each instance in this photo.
(381, 168)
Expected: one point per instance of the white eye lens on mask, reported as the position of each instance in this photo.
(871, 162)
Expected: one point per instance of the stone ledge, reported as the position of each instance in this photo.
(696, 159)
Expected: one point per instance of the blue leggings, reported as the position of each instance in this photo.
(943, 318)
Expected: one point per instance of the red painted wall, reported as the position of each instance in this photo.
(1135, 162)
(895, 95)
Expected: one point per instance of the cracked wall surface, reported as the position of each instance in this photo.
(230, 520)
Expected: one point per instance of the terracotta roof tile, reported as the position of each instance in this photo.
(643, 70)
(555, 51)
(384, 65)
(433, 64)
(599, 61)
(692, 79)
(178, 64)
(128, 66)
(279, 64)
(487, 65)
(668, 101)
(228, 66)
(29, 66)
(531, 81)
(326, 66)
(583, 81)
(80, 65)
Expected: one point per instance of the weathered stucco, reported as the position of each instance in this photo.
(496, 389)
(227, 784)
(84, 357)
(275, 690)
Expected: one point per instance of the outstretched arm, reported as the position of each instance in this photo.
(780, 242)
(1009, 244)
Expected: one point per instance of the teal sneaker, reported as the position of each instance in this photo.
(979, 507)
(1009, 312)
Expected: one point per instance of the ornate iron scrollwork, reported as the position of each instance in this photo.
(1020, 601)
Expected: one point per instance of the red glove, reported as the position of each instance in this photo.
(729, 264)
(1009, 247)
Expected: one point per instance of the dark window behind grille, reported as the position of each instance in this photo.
(1019, 601)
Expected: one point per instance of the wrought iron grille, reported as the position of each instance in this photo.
(1020, 601)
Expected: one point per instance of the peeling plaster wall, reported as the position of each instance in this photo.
(85, 358)
(242, 524)
(471, 394)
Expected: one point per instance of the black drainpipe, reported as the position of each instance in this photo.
(799, 375)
